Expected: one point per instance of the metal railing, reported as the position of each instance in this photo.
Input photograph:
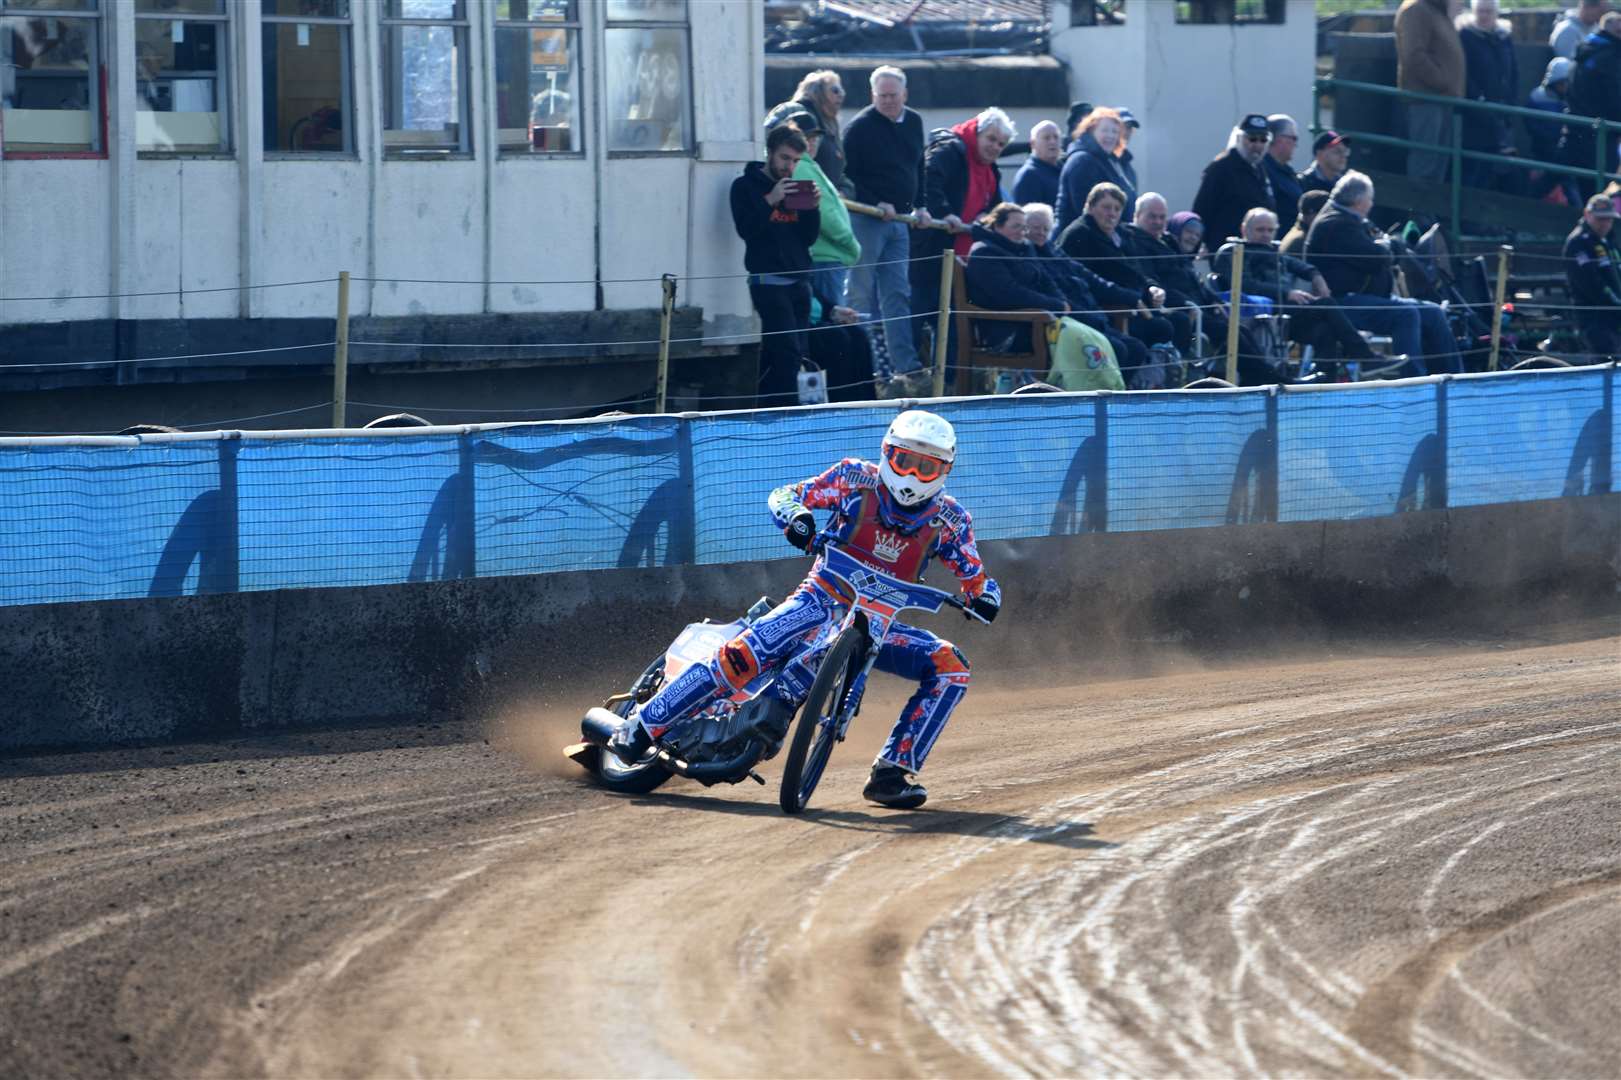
(1599, 173)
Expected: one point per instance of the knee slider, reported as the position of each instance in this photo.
(736, 662)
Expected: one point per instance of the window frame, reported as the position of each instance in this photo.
(1272, 13)
(462, 28)
(96, 12)
(574, 24)
(346, 58)
(223, 79)
(688, 120)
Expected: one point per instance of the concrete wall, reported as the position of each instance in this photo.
(118, 671)
(1190, 84)
(135, 223)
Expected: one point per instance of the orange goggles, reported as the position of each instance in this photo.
(911, 463)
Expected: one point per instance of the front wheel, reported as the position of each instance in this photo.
(818, 720)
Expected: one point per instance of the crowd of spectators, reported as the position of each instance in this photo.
(1073, 237)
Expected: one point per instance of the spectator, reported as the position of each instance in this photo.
(1129, 126)
(1429, 60)
(1593, 271)
(820, 93)
(1095, 239)
(1331, 156)
(1091, 161)
(1235, 182)
(1314, 319)
(1078, 111)
(883, 147)
(1547, 135)
(1280, 169)
(1089, 295)
(1595, 90)
(776, 253)
(1491, 73)
(1358, 265)
(1311, 204)
(1575, 25)
(959, 185)
(835, 250)
(1037, 178)
(1003, 274)
(1168, 264)
(842, 350)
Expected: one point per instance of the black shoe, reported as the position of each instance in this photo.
(892, 787)
(630, 743)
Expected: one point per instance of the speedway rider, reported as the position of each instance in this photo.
(895, 516)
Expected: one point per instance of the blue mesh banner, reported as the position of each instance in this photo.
(1523, 435)
(1384, 462)
(155, 516)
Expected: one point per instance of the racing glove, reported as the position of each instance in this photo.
(985, 607)
(801, 530)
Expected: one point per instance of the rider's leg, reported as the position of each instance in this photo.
(942, 674)
(772, 636)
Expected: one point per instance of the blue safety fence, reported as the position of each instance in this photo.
(165, 515)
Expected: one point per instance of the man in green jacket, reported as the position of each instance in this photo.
(1429, 59)
(836, 248)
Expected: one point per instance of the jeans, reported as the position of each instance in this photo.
(1417, 328)
(830, 284)
(883, 290)
(784, 317)
(1427, 123)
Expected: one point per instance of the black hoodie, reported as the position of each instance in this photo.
(775, 240)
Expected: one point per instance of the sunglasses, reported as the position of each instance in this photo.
(911, 463)
(1256, 138)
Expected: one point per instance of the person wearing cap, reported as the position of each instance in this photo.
(1235, 183)
(1037, 178)
(1575, 25)
(1595, 90)
(822, 94)
(1129, 126)
(1593, 272)
(1492, 74)
(1429, 60)
(836, 248)
(1092, 161)
(1280, 169)
(1078, 111)
(1331, 156)
(1294, 241)
(1547, 135)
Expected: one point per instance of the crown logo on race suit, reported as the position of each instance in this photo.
(887, 545)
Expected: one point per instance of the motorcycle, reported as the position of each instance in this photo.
(723, 741)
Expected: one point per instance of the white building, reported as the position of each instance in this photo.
(155, 146)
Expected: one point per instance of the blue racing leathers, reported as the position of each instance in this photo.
(866, 521)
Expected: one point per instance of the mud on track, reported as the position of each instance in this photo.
(1403, 862)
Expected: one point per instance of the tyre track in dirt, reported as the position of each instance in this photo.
(1402, 863)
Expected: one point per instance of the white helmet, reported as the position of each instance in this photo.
(919, 448)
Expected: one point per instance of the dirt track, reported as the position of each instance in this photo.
(1407, 863)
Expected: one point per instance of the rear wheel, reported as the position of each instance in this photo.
(818, 720)
(644, 775)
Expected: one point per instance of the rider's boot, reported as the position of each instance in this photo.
(891, 786)
(630, 742)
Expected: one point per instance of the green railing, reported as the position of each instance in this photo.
(1598, 173)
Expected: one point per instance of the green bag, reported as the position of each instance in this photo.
(1082, 357)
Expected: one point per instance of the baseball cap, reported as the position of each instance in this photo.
(1602, 206)
(1560, 69)
(1327, 139)
(1254, 124)
(1127, 119)
(805, 121)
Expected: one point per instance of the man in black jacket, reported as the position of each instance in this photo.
(1357, 264)
(776, 252)
(1235, 183)
(1595, 90)
(1593, 271)
(883, 151)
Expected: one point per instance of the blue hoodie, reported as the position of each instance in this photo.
(1086, 166)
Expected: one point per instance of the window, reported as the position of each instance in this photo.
(425, 77)
(537, 76)
(180, 78)
(1097, 12)
(307, 93)
(1228, 12)
(50, 76)
(648, 75)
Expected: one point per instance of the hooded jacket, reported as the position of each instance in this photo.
(1230, 188)
(1429, 56)
(1595, 84)
(836, 241)
(776, 240)
(1085, 166)
(1006, 276)
(955, 181)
